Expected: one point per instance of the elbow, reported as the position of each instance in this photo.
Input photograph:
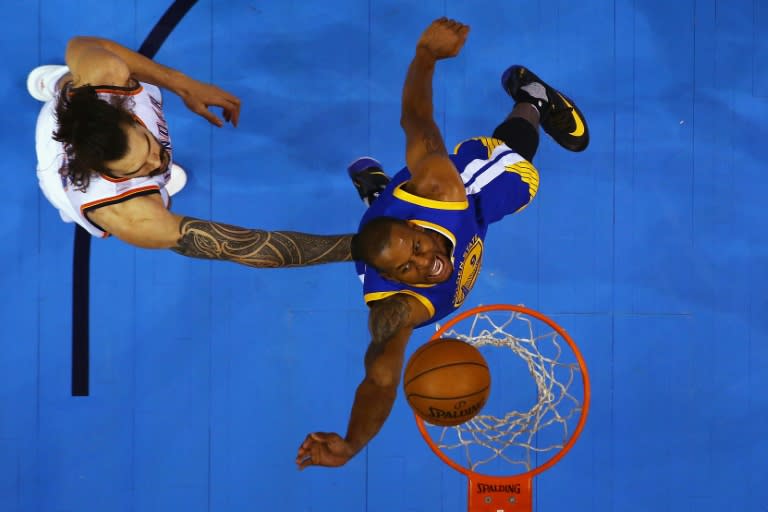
(78, 40)
(81, 41)
(73, 45)
(382, 375)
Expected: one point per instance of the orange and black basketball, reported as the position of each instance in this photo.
(447, 382)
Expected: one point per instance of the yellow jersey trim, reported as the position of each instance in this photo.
(579, 130)
(428, 203)
(529, 175)
(489, 142)
(372, 297)
(436, 227)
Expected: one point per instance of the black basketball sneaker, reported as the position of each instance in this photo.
(560, 117)
(368, 177)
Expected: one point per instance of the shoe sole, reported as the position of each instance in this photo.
(34, 77)
(177, 181)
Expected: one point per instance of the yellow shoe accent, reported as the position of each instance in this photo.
(579, 131)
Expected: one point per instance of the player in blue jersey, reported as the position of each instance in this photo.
(420, 244)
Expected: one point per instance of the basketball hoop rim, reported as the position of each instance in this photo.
(528, 475)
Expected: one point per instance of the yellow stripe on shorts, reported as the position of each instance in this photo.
(489, 142)
(528, 174)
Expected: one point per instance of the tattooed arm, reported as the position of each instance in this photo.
(433, 174)
(144, 222)
(257, 248)
(391, 323)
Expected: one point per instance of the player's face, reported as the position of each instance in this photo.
(145, 155)
(415, 256)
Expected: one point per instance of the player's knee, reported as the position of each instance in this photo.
(520, 135)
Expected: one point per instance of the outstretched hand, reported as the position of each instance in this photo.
(199, 97)
(444, 38)
(323, 449)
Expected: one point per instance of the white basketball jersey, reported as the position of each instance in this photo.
(101, 191)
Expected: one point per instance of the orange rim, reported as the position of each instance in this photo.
(584, 379)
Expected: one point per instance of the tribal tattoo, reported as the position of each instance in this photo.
(257, 248)
(386, 318)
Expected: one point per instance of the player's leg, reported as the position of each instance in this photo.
(520, 130)
(509, 182)
(368, 177)
(560, 117)
(504, 184)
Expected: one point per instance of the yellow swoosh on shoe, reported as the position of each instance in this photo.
(579, 131)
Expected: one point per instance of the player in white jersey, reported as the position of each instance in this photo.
(105, 158)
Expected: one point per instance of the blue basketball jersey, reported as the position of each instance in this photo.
(498, 182)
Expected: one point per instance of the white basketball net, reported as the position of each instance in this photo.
(523, 438)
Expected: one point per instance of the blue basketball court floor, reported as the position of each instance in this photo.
(650, 248)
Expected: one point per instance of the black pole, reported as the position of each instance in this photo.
(81, 258)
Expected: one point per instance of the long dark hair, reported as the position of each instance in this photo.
(91, 130)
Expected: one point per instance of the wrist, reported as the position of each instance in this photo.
(179, 83)
(353, 446)
(424, 54)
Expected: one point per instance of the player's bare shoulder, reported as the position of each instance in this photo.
(91, 63)
(388, 316)
(436, 178)
(142, 221)
(396, 312)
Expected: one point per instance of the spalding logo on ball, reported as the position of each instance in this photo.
(447, 382)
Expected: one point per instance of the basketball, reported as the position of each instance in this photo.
(447, 382)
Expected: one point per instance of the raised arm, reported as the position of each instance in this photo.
(433, 174)
(144, 222)
(97, 61)
(391, 323)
